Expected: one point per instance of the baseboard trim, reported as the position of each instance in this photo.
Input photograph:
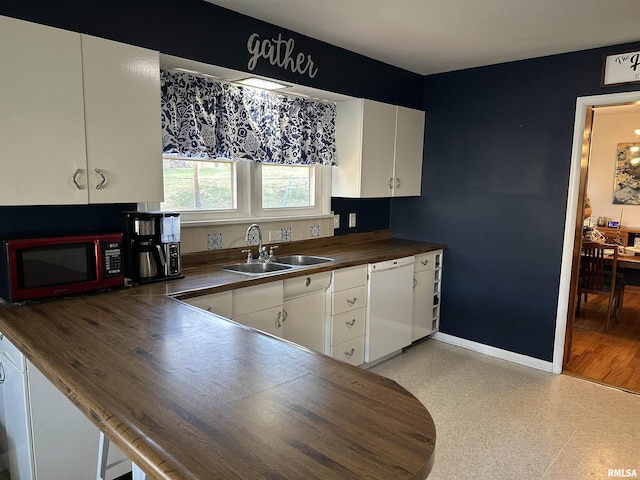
(494, 352)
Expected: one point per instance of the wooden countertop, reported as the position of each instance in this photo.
(189, 395)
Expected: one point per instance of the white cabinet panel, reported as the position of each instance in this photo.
(42, 140)
(407, 172)
(218, 303)
(351, 351)
(347, 326)
(349, 277)
(347, 300)
(257, 297)
(304, 320)
(268, 320)
(379, 148)
(123, 121)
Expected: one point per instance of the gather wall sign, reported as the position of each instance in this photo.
(279, 52)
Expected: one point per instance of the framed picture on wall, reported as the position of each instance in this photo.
(626, 185)
(621, 68)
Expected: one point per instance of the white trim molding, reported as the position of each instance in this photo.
(582, 103)
(494, 352)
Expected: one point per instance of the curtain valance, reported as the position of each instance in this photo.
(209, 119)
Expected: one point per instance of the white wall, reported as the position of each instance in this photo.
(611, 125)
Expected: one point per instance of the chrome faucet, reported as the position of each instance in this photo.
(261, 249)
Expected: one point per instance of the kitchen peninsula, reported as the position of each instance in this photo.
(189, 395)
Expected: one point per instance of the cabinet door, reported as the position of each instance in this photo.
(218, 303)
(41, 115)
(304, 321)
(408, 153)
(123, 130)
(423, 284)
(268, 320)
(378, 142)
(257, 297)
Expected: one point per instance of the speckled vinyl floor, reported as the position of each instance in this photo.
(497, 420)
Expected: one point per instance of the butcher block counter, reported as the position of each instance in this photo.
(189, 395)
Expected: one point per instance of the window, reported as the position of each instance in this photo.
(206, 190)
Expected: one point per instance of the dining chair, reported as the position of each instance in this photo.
(599, 276)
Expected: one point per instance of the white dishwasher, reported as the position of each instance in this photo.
(389, 308)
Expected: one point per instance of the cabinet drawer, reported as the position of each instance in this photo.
(425, 261)
(257, 297)
(306, 284)
(10, 350)
(218, 303)
(349, 277)
(347, 300)
(351, 351)
(347, 325)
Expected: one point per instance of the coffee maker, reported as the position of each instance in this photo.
(152, 246)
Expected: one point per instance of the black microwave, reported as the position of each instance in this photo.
(35, 268)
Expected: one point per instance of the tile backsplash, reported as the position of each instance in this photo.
(217, 237)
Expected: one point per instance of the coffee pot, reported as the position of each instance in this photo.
(152, 241)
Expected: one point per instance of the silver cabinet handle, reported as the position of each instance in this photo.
(285, 315)
(415, 283)
(350, 353)
(208, 309)
(390, 183)
(278, 324)
(103, 181)
(351, 323)
(74, 179)
(424, 262)
(307, 282)
(2, 376)
(352, 302)
(397, 182)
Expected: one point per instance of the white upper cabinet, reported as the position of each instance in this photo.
(379, 150)
(42, 140)
(71, 104)
(123, 121)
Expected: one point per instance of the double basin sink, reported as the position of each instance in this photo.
(280, 265)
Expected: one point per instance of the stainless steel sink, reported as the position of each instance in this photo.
(256, 268)
(303, 260)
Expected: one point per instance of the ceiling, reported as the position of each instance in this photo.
(434, 36)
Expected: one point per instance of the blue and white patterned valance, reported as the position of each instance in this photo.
(208, 119)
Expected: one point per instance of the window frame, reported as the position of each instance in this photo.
(248, 177)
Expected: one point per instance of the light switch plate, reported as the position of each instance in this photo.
(352, 220)
(336, 221)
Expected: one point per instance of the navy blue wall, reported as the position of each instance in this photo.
(495, 183)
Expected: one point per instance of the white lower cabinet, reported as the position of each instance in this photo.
(304, 310)
(427, 277)
(268, 320)
(48, 438)
(259, 307)
(219, 303)
(347, 325)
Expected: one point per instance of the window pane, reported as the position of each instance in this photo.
(286, 186)
(198, 185)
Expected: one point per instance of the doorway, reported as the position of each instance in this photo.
(573, 222)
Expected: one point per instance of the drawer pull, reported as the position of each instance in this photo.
(307, 282)
(415, 283)
(350, 353)
(351, 323)
(424, 262)
(352, 302)
(278, 324)
(1, 373)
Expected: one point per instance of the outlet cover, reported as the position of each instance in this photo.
(336, 221)
(352, 220)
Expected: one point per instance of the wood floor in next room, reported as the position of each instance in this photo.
(611, 358)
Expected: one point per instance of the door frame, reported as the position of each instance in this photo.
(574, 202)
